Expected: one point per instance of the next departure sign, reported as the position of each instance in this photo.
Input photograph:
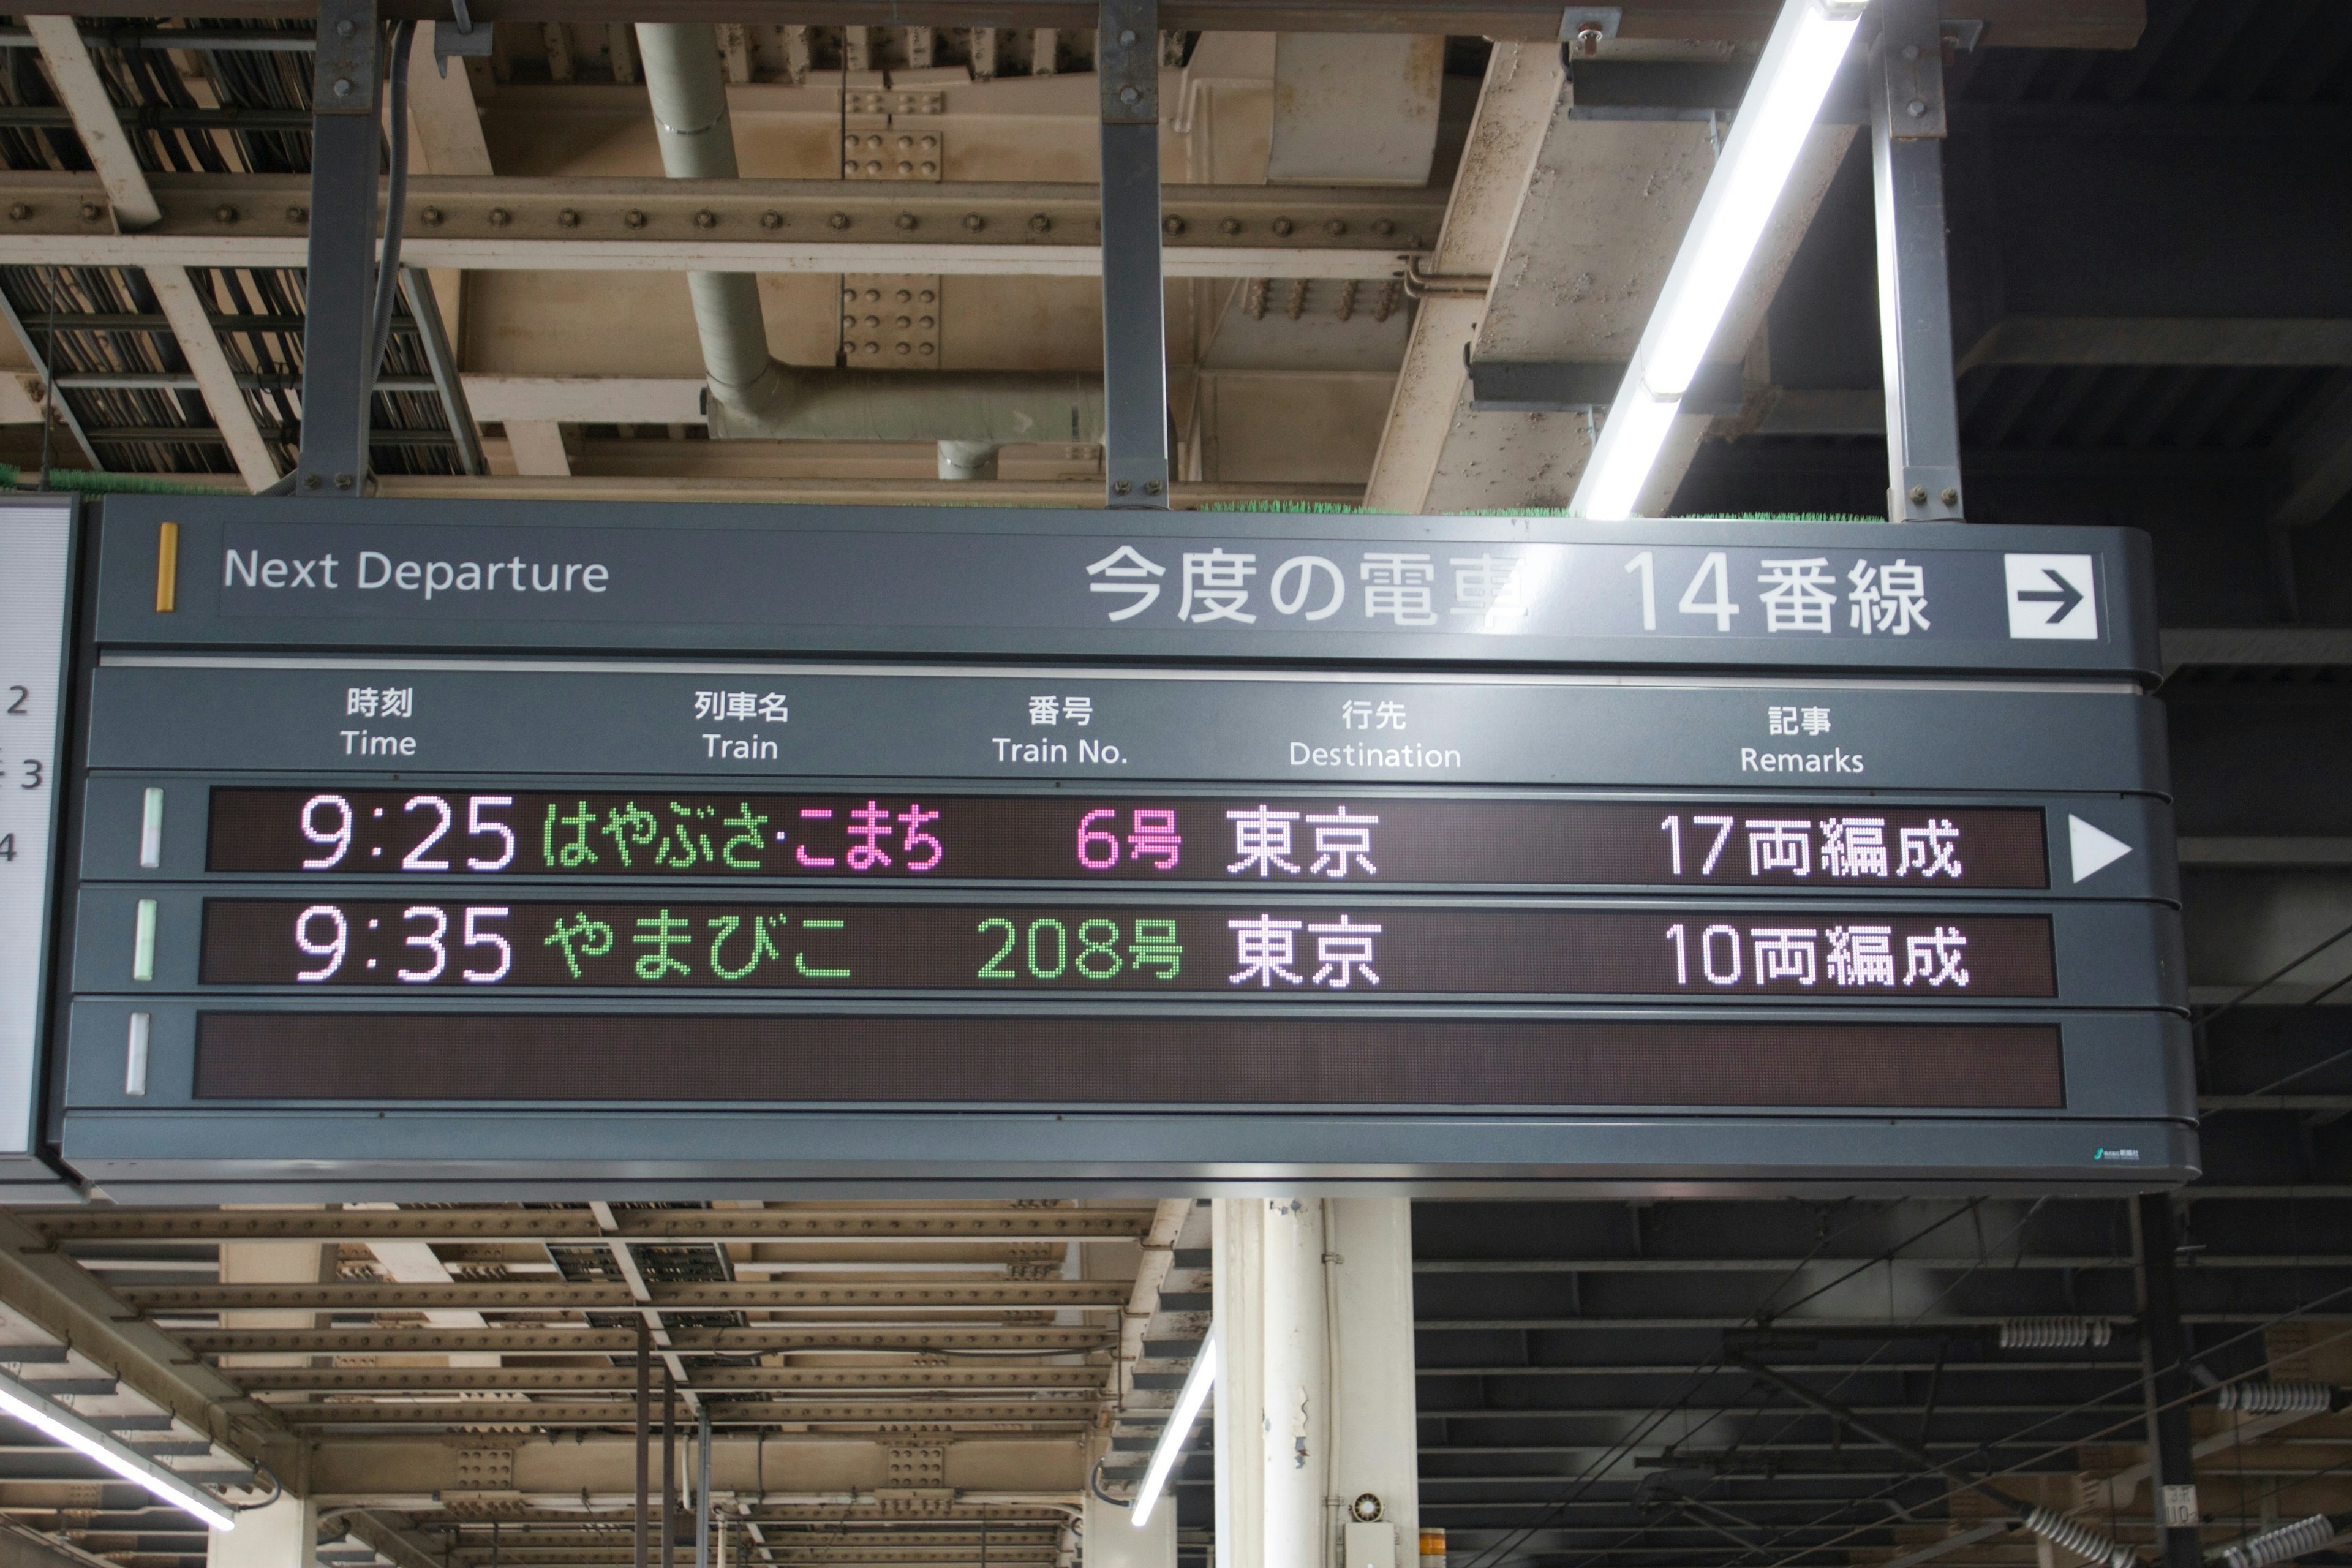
(1307, 841)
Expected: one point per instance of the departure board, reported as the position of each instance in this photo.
(442, 849)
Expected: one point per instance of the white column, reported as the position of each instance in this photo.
(1112, 1541)
(1237, 1310)
(274, 1263)
(1377, 1440)
(1314, 1317)
(283, 1535)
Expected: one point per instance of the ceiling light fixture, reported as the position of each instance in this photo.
(53, 1420)
(1808, 44)
(1172, 1436)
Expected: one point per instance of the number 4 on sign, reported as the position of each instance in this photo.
(1721, 608)
(1714, 567)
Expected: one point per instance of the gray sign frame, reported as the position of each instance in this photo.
(1981, 665)
(1005, 582)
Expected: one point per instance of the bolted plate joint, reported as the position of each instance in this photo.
(348, 62)
(1126, 62)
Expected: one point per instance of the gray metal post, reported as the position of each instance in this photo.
(2164, 1350)
(341, 278)
(1915, 301)
(670, 1473)
(638, 1558)
(701, 1485)
(1135, 329)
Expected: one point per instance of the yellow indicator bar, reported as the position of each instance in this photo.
(167, 568)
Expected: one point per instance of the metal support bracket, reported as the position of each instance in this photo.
(348, 65)
(1583, 29)
(460, 40)
(341, 283)
(1915, 304)
(2164, 1350)
(1587, 387)
(1135, 329)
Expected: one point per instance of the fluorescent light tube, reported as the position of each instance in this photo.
(1808, 44)
(1782, 101)
(1628, 450)
(53, 1420)
(1172, 1436)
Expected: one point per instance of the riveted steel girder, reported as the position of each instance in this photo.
(568, 1340)
(746, 226)
(763, 1412)
(357, 1379)
(509, 1296)
(579, 1225)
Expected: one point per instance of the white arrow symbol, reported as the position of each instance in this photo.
(2092, 849)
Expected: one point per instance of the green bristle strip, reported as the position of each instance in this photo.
(82, 482)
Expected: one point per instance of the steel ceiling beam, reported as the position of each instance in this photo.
(617, 1413)
(2036, 24)
(704, 1379)
(132, 203)
(778, 1512)
(912, 1531)
(491, 1224)
(562, 1340)
(628, 225)
(504, 1295)
(46, 1288)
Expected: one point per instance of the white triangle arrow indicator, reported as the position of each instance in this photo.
(2092, 849)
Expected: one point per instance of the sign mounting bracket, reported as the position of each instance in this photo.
(340, 285)
(1134, 331)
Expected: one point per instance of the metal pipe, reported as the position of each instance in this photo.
(987, 407)
(754, 397)
(967, 460)
(983, 407)
(697, 143)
